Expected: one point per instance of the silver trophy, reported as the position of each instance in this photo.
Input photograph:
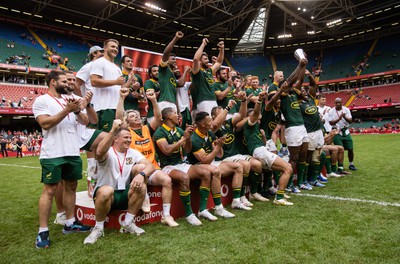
(299, 54)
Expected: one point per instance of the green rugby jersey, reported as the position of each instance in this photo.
(230, 146)
(255, 92)
(290, 108)
(218, 86)
(167, 81)
(273, 87)
(269, 121)
(130, 101)
(155, 85)
(166, 133)
(310, 113)
(253, 137)
(200, 141)
(241, 143)
(202, 90)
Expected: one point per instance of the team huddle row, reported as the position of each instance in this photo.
(232, 131)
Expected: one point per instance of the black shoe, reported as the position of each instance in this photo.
(43, 240)
(75, 227)
(352, 167)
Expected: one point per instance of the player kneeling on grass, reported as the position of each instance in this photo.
(258, 150)
(122, 177)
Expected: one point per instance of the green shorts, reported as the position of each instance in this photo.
(186, 118)
(92, 139)
(64, 168)
(120, 199)
(106, 118)
(345, 141)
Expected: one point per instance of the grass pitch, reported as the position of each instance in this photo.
(314, 230)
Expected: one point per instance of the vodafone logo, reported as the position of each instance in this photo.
(121, 218)
(224, 190)
(79, 214)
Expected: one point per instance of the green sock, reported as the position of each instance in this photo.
(255, 180)
(277, 176)
(236, 193)
(204, 193)
(267, 180)
(322, 159)
(328, 164)
(279, 194)
(300, 172)
(310, 172)
(305, 175)
(334, 168)
(244, 184)
(315, 171)
(185, 198)
(217, 198)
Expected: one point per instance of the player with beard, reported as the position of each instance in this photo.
(142, 141)
(223, 91)
(203, 95)
(132, 100)
(59, 154)
(153, 85)
(166, 76)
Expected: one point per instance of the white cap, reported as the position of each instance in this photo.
(94, 49)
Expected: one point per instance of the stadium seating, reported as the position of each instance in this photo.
(330, 97)
(17, 92)
(255, 65)
(378, 95)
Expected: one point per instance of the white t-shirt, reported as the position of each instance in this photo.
(84, 75)
(182, 97)
(324, 111)
(109, 170)
(106, 97)
(63, 139)
(334, 114)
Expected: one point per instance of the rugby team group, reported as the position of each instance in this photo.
(231, 129)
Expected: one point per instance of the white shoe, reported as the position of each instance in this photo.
(286, 196)
(207, 215)
(60, 220)
(258, 197)
(240, 205)
(223, 213)
(333, 175)
(95, 234)
(131, 229)
(282, 202)
(246, 202)
(146, 204)
(193, 220)
(169, 221)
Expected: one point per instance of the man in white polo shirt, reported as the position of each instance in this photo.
(59, 155)
(122, 178)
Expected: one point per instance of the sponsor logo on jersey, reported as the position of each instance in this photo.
(172, 81)
(229, 139)
(311, 110)
(142, 142)
(272, 125)
(295, 105)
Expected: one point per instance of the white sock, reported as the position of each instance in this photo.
(70, 222)
(100, 224)
(128, 219)
(43, 229)
(237, 200)
(166, 209)
(351, 163)
(60, 214)
(218, 207)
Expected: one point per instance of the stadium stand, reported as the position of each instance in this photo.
(20, 94)
(255, 65)
(377, 95)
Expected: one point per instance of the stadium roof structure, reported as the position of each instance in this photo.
(254, 26)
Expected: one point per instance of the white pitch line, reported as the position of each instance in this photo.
(348, 199)
(21, 166)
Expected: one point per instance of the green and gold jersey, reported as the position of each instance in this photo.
(202, 90)
(171, 136)
(310, 113)
(269, 121)
(290, 108)
(255, 92)
(167, 81)
(199, 142)
(253, 137)
(230, 146)
(241, 143)
(220, 87)
(155, 85)
(130, 101)
(273, 87)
